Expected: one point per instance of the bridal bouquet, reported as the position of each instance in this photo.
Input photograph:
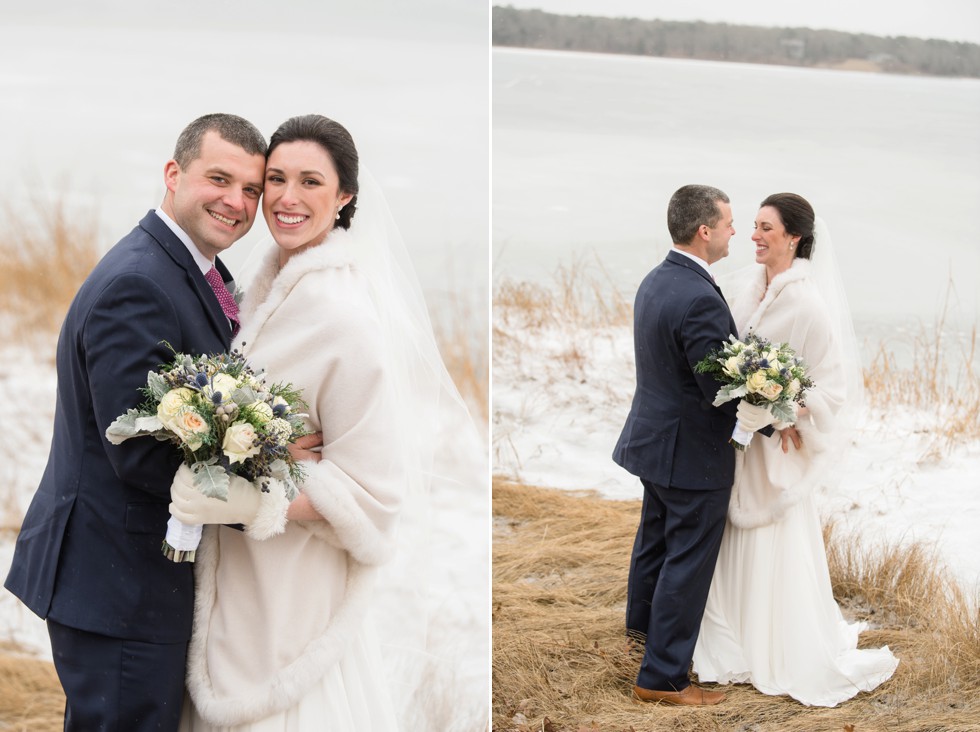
(225, 420)
(760, 373)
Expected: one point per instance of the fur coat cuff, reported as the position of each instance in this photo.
(271, 517)
(364, 531)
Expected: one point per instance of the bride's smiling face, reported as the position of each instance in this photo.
(302, 195)
(774, 246)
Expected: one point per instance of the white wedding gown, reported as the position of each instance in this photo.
(771, 619)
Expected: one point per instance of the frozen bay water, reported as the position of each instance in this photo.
(92, 100)
(588, 148)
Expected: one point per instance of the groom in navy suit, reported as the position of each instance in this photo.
(677, 444)
(88, 557)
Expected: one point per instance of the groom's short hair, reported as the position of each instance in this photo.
(689, 208)
(230, 127)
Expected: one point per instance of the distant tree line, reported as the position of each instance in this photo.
(724, 42)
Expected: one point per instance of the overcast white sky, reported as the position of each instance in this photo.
(955, 20)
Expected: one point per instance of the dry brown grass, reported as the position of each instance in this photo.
(561, 662)
(580, 304)
(941, 372)
(934, 366)
(582, 297)
(465, 351)
(31, 699)
(45, 254)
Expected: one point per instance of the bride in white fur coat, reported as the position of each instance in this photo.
(282, 640)
(771, 619)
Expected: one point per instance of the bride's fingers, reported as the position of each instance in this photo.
(790, 434)
(314, 439)
(307, 447)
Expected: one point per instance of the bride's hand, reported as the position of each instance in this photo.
(790, 434)
(307, 447)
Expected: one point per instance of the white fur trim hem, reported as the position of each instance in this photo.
(290, 683)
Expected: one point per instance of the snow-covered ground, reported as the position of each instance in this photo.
(561, 394)
(456, 664)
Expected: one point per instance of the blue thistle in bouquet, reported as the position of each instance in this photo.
(225, 420)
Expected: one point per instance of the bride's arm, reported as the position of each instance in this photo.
(302, 510)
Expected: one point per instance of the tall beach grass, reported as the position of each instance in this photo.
(31, 699)
(931, 366)
(940, 370)
(45, 254)
(561, 661)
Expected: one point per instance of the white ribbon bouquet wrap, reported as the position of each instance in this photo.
(226, 421)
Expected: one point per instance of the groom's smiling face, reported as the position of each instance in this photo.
(215, 198)
(720, 234)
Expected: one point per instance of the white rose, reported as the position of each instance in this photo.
(793, 388)
(770, 390)
(240, 442)
(173, 402)
(755, 382)
(224, 383)
(731, 366)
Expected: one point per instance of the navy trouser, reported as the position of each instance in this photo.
(118, 685)
(673, 560)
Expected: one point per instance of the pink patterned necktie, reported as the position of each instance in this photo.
(227, 302)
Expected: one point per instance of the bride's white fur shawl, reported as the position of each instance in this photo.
(767, 481)
(313, 324)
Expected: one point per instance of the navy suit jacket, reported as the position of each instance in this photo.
(88, 554)
(673, 437)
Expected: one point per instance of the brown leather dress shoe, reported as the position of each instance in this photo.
(692, 696)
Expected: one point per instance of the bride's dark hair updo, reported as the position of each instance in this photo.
(798, 218)
(339, 145)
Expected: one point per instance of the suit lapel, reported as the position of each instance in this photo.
(176, 250)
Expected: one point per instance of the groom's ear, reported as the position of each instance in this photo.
(171, 174)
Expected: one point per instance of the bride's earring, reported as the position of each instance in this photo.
(338, 213)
